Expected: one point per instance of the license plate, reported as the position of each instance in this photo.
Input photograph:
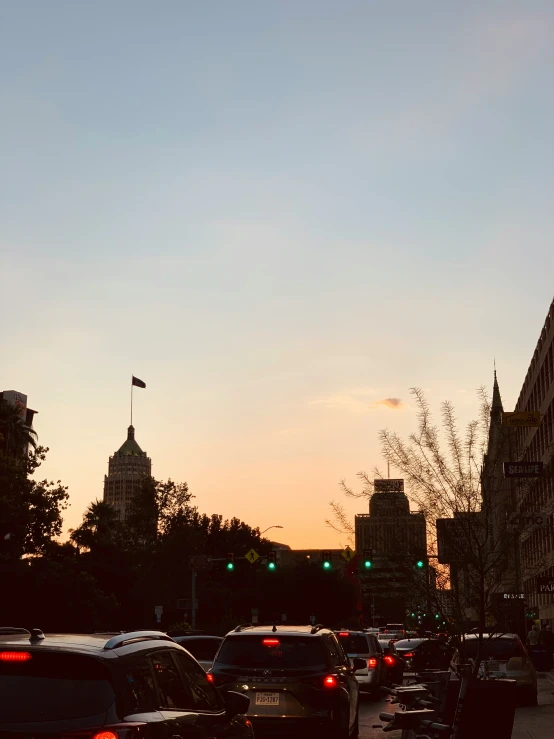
(267, 699)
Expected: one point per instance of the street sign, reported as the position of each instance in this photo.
(388, 486)
(545, 585)
(535, 520)
(348, 554)
(200, 562)
(252, 556)
(523, 469)
(525, 419)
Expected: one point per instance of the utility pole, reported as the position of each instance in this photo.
(193, 599)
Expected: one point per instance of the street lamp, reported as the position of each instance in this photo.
(270, 527)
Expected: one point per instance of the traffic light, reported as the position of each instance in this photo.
(368, 559)
(271, 563)
(437, 615)
(230, 566)
(326, 557)
(420, 563)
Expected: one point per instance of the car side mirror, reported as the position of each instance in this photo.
(358, 664)
(236, 703)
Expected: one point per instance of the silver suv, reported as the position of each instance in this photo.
(359, 644)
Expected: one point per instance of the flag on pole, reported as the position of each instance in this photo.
(138, 383)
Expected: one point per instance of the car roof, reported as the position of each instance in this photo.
(272, 631)
(357, 632)
(467, 637)
(98, 644)
(200, 637)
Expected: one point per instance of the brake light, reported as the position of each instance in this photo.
(330, 681)
(106, 735)
(115, 731)
(344, 633)
(15, 656)
(409, 655)
(389, 660)
(210, 678)
(372, 662)
(271, 642)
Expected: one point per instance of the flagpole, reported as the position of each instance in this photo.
(131, 400)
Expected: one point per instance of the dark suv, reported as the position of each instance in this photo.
(130, 686)
(297, 679)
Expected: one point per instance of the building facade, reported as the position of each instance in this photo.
(127, 469)
(395, 584)
(537, 498)
(19, 400)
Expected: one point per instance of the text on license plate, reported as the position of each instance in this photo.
(267, 699)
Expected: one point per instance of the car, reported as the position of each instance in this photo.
(124, 686)
(504, 656)
(424, 654)
(298, 679)
(202, 647)
(394, 664)
(366, 647)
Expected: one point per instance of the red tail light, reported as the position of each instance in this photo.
(344, 633)
(106, 735)
(271, 642)
(409, 655)
(389, 660)
(330, 681)
(15, 656)
(210, 678)
(371, 663)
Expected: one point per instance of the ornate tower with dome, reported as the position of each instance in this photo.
(126, 471)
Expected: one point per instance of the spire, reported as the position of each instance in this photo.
(496, 399)
(130, 447)
(131, 433)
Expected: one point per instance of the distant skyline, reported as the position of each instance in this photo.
(281, 217)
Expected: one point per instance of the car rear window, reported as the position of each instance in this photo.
(53, 687)
(278, 652)
(408, 643)
(354, 644)
(200, 648)
(501, 649)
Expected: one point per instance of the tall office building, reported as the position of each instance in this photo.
(126, 472)
(398, 540)
(19, 400)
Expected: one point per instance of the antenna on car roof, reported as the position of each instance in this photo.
(274, 629)
(316, 628)
(36, 635)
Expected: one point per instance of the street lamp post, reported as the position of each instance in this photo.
(270, 527)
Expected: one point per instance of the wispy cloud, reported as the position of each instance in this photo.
(393, 403)
(353, 400)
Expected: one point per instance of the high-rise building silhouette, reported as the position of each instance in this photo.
(127, 469)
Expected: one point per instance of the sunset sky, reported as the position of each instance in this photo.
(276, 214)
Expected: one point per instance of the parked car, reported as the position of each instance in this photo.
(394, 664)
(127, 686)
(297, 679)
(203, 648)
(366, 647)
(504, 656)
(424, 654)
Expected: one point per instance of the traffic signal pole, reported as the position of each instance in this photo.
(193, 599)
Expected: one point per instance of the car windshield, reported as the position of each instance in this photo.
(53, 687)
(501, 649)
(408, 643)
(275, 652)
(354, 643)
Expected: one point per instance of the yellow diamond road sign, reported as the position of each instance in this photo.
(252, 556)
(348, 554)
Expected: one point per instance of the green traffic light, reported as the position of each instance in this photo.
(413, 615)
(230, 566)
(437, 615)
(419, 563)
(367, 564)
(326, 565)
(271, 566)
